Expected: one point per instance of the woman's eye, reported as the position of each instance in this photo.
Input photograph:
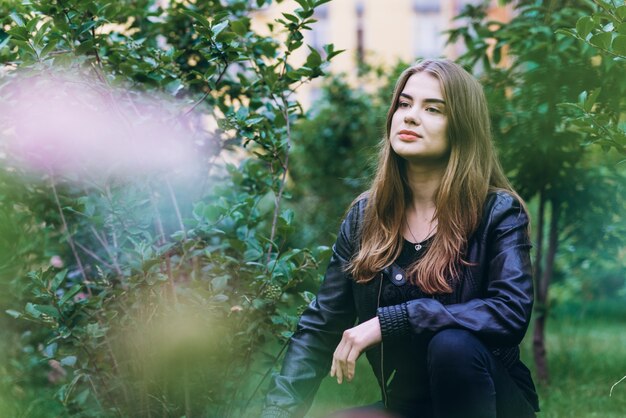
(433, 110)
(403, 104)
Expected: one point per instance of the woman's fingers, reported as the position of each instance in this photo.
(344, 360)
(350, 368)
(335, 368)
(352, 344)
(339, 359)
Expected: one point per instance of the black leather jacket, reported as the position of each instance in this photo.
(493, 299)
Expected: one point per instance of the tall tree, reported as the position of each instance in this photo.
(528, 70)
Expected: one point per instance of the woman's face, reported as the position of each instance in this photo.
(419, 124)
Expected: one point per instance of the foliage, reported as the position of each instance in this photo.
(529, 70)
(598, 115)
(163, 296)
(335, 149)
(332, 156)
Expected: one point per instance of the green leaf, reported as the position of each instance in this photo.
(49, 310)
(4, 39)
(287, 216)
(87, 26)
(308, 296)
(314, 59)
(601, 40)
(201, 19)
(50, 350)
(32, 310)
(621, 12)
(20, 33)
(48, 48)
(32, 24)
(42, 32)
(14, 314)
(68, 361)
(220, 298)
(330, 51)
(619, 45)
(584, 26)
(304, 14)
(603, 4)
(304, 4)
(17, 19)
(219, 284)
(70, 294)
(85, 47)
(217, 29)
(212, 212)
(591, 100)
(239, 28)
(621, 28)
(291, 17)
(568, 32)
(58, 279)
(82, 397)
(582, 97)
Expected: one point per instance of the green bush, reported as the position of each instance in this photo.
(158, 293)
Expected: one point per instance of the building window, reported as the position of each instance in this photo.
(426, 6)
(320, 30)
(427, 26)
(360, 29)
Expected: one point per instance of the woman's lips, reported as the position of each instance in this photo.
(406, 135)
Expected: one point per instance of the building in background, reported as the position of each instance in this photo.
(380, 32)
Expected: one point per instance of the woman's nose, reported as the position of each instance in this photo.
(411, 117)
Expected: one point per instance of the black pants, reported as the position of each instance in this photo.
(465, 381)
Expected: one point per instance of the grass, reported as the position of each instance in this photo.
(586, 355)
(586, 345)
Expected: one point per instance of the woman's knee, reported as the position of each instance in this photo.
(454, 349)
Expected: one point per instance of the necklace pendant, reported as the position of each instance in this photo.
(418, 247)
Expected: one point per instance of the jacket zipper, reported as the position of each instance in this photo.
(382, 352)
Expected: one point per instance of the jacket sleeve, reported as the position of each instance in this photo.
(501, 317)
(318, 333)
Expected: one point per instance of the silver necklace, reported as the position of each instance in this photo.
(418, 245)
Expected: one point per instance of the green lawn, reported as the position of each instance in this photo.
(586, 354)
(586, 349)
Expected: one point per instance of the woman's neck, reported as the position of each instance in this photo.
(424, 181)
(420, 216)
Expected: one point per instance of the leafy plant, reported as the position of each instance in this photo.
(598, 111)
(176, 292)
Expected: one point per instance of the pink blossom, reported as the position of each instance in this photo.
(75, 127)
(56, 261)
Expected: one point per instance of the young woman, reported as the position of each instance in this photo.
(432, 264)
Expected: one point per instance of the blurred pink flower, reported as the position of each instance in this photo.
(56, 261)
(76, 127)
(57, 372)
(80, 296)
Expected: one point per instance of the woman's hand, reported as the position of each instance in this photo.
(354, 342)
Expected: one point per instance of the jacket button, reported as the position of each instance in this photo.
(398, 277)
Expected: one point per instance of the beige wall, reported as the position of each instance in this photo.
(392, 30)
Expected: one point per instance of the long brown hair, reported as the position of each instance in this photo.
(472, 170)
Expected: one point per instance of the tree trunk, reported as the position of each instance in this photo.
(538, 343)
(543, 285)
(539, 245)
